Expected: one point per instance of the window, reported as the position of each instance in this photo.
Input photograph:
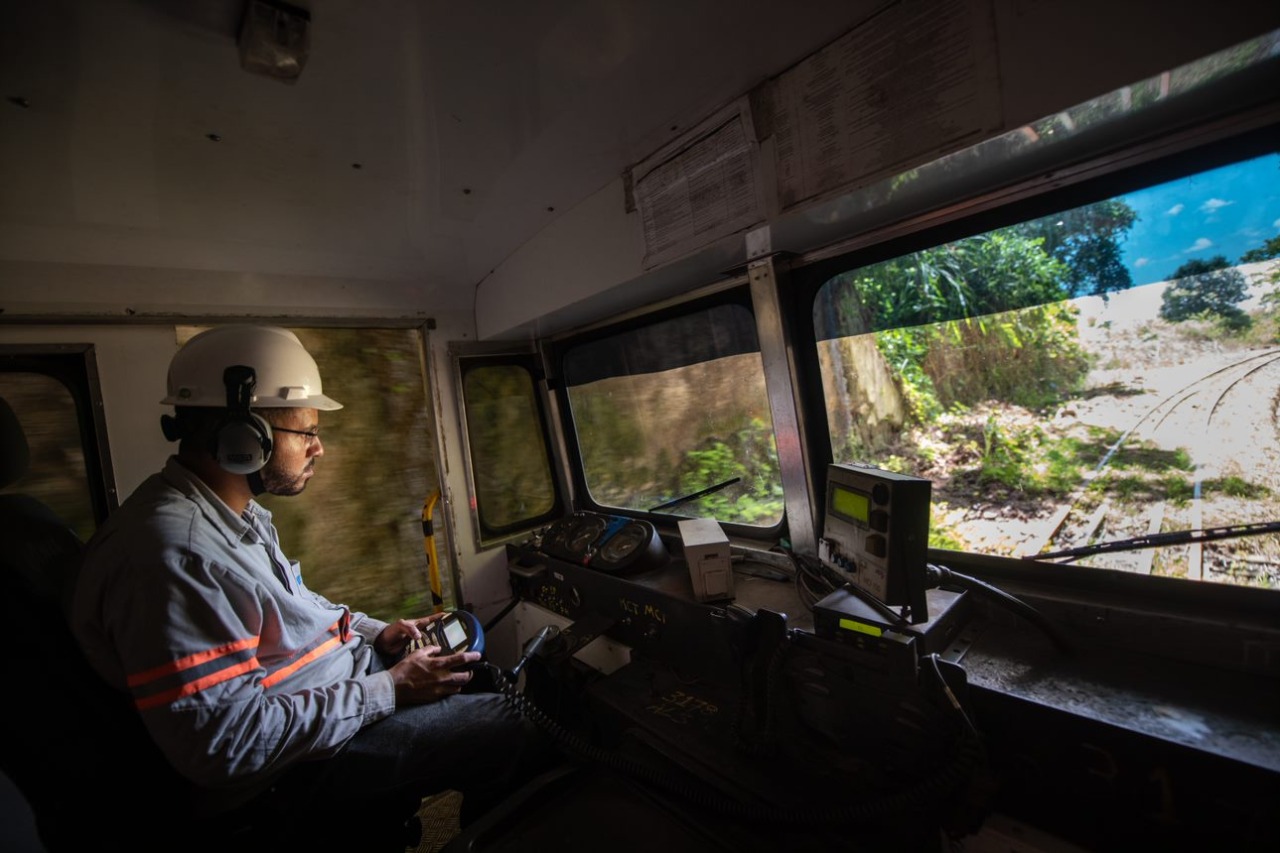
(1102, 374)
(57, 475)
(512, 479)
(673, 407)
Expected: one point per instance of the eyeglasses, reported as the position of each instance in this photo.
(312, 436)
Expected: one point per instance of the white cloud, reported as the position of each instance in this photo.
(1198, 246)
(1175, 210)
(1276, 224)
(1213, 205)
(1141, 262)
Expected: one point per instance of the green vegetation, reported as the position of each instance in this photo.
(750, 454)
(986, 318)
(1086, 241)
(1235, 487)
(940, 536)
(650, 437)
(995, 459)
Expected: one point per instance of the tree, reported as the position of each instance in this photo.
(1265, 252)
(1268, 250)
(967, 321)
(985, 274)
(1202, 288)
(1087, 241)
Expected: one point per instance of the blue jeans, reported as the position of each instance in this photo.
(473, 743)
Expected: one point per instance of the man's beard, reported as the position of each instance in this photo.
(278, 482)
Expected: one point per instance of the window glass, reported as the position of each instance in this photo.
(510, 464)
(1106, 373)
(357, 528)
(672, 408)
(56, 475)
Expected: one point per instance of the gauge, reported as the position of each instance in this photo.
(610, 543)
(635, 547)
(571, 538)
(588, 530)
(623, 543)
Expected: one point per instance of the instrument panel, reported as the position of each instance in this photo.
(610, 543)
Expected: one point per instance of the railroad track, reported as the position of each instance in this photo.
(1189, 418)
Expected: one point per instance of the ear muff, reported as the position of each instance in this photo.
(242, 441)
(242, 444)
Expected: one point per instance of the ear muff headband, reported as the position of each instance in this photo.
(242, 441)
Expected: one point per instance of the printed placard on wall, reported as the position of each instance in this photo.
(917, 80)
(701, 188)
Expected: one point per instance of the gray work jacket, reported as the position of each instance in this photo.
(237, 668)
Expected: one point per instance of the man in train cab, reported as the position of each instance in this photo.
(255, 688)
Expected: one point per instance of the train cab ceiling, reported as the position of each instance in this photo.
(417, 146)
(415, 158)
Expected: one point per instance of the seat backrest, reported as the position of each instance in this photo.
(72, 745)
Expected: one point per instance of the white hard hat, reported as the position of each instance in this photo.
(285, 374)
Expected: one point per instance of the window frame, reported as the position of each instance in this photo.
(466, 356)
(75, 367)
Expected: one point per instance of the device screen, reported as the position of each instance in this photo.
(850, 504)
(455, 634)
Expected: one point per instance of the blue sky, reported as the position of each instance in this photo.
(1225, 212)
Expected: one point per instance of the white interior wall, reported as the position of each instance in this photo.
(484, 574)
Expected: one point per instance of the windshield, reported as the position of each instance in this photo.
(1107, 372)
(673, 417)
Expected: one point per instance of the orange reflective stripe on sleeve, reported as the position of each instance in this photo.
(196, 686)
(339, 631)
(284, 672)
(178, 668)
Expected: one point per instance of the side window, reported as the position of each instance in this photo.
(56, 476)
(52, 392)
(1081, 386)
(509, 450)
(669, 408)
(513, 472)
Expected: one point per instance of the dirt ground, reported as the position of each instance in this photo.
(1170, 389)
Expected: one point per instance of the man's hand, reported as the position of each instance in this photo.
(425, 675)
(396, 636)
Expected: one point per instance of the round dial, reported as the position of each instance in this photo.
(623, 543)
(584, 534)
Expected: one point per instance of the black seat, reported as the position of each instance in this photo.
(73, 746)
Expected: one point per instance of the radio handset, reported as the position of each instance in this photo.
(458, 631)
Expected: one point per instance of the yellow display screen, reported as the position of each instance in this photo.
(850, 504)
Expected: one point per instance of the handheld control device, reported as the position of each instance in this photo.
(458, 631)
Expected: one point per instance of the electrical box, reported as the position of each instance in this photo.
(876, 533)
(706, 550)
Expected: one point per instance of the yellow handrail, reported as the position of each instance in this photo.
(429, 544)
